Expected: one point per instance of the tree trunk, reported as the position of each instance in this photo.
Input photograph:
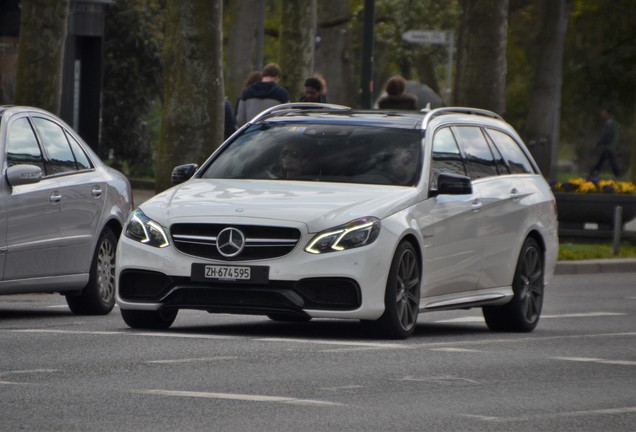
(481, 59)
(334, 57)
(43, 27)
(192, 118)
(242, 45)
(543, 121)
(297, 44)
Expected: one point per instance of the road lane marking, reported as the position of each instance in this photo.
(347, 387)
(240, 397)
(474, 319)
(446, 380)
(535, 417)
(190, 360)
(338, 343)
(451, 349)
(126, 333)
(23, 372)
(597, 360)
(87, 332)
(181, 335)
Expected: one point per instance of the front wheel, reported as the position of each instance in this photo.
(98, 297)
(523, 312)
(402, 296)
(151, 320)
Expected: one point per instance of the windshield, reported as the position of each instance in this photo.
(322, 152)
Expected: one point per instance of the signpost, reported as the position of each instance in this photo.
(434, 37)
(425, 37)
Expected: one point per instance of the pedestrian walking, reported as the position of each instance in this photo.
(607, 144)
(261, 95)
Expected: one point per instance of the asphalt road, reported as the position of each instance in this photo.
(576, 372)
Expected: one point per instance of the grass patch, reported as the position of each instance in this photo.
(581, 251)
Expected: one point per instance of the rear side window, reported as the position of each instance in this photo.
(446, 157)
(80, 156)
(479, 158)
(61, 157)
(517, 159)
(22, 146)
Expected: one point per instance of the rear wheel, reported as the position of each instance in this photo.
(523, 312)
(155, 320)
(98, 297)
(402, 297)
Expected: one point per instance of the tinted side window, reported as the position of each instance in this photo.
(519, 163)
(61, 157)
(446, 156)
(481, 162)
(80, 156)
(502, 167)
(22, 146)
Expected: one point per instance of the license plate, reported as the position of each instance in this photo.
(228, 273)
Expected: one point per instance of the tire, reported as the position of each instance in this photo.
(151, 320)
(402, 295)
(522, 313)
(98, 296)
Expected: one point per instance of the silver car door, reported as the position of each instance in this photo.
(32, 211)
(453, 261)
(82, 193)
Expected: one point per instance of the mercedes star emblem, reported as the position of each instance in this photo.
(230, 242)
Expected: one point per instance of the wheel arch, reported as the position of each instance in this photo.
(411, 238)
(115, 226)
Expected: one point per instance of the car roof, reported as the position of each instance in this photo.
(16, 109)
(338, 114)
(352, 117)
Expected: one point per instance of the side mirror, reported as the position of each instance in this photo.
(183, 173)
(23, 174)
(453, 184)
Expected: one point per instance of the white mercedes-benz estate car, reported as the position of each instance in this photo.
(321, 211)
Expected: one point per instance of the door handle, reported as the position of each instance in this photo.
(96, 191)
(55, 197)
(477, 205)
(515, 194)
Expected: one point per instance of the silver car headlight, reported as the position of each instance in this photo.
(144, 230)
(357, 233)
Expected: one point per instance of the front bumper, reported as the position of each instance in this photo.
(345, 284)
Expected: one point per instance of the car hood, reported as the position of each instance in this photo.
(317, 205)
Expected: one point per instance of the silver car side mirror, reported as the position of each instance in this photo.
(23, 174)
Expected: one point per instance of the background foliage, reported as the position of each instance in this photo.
(599, 66)
(132, 84)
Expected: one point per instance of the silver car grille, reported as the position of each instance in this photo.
(257, 242)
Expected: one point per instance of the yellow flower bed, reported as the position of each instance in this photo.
(581, 185)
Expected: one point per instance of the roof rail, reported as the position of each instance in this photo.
(457, 110)
(297, 106)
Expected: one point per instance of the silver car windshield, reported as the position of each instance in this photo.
(322, 152)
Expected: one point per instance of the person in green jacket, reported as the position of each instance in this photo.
(607, 144)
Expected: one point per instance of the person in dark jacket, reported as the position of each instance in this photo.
(607, 144)
(261, 95)
(396, 96)
(229, 126)
(313, 91)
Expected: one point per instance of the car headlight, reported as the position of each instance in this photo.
(144, 230)
(359, 232)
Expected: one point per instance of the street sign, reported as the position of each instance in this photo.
(425, 37)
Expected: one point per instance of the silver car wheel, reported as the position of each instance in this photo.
(407, 292)
(106, 270)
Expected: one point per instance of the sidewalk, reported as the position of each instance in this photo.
(618, 265)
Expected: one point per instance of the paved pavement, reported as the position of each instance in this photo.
(619, 265)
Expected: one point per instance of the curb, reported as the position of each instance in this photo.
(618, 265)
